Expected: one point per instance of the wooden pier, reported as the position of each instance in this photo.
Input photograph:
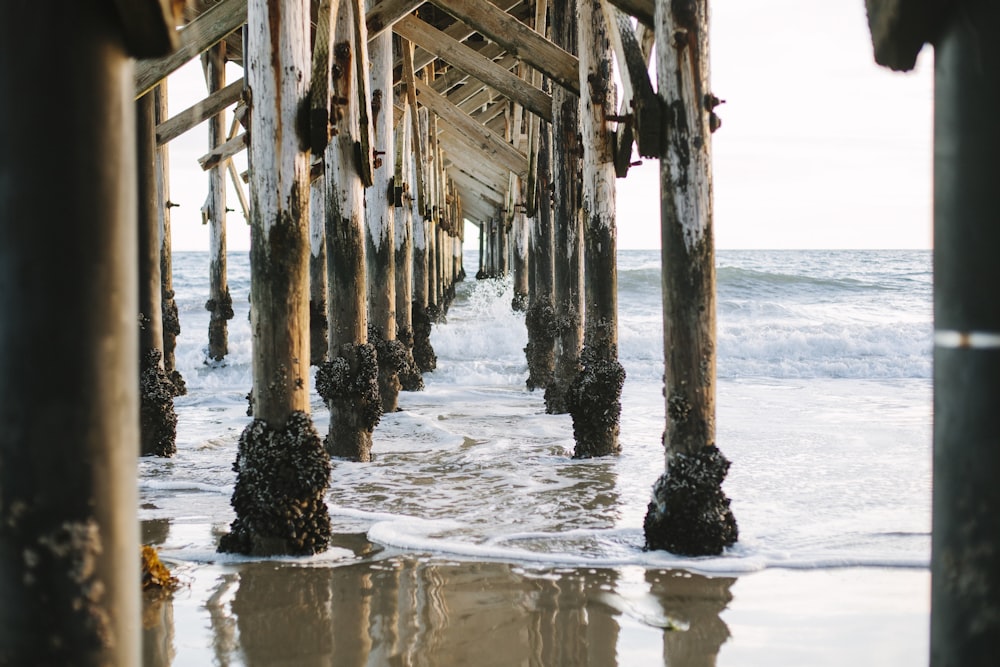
(375, 131)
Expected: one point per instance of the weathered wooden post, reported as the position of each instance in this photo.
(69, 401)
(158, 420)
(566, 217)
(433, 274)
(423, 352)
(503, 243)
(520, 247)
(409, 373)
(594, 399)
(276, 512)
(349, 380)
(380, 226)
(171, 318)
(689, 514)
(220, 303)
(480, 274)
(318, 326)
(965, 545)
(540, 319)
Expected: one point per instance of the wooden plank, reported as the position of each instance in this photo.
(177, 125)
(193, 39)
(473, 161)
(234, 175)
(149, 26)
(238, 186)
(645, 106)
(499, 150)
(454, 76)
(458, 31)
(518, 39)
(223, 152)
(641, 9)
(383, 15)
(468, 60)
(474, 186)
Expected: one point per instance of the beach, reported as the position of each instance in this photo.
(475, 538)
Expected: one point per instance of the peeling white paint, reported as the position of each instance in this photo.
(692, 181)
(279, 165)
(379, 208)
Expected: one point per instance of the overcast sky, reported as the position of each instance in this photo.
(819, 147)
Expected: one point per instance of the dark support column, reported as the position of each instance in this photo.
(520, 254)
(965, 560)
(220, 303)
(503, 244)
(689, 514)
(566, 219)
(541, 316)
(171, 318)
(594, 398)
(277, 513)
(158, 420)
(69, 402)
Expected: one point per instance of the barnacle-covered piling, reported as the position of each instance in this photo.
(349, 383)
(689, 512)
(282, 475)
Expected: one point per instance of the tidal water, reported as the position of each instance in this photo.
(824, 409)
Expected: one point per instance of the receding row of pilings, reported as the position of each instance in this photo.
(69, 402)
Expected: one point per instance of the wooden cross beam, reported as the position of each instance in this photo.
(457, 31)
(471, 62)
(177, 125)
(518, 39)
(641, 9)
(194, 38)
(466, 127)
(383, 14)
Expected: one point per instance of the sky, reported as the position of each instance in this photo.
(819, 147)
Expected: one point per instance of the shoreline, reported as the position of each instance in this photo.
(361, 604)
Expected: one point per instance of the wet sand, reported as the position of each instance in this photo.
(364, 605)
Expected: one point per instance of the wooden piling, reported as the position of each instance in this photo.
(380, 225)
(433, 274)
(158, 420)
(276, 513)
(520, 250)
(540, 319)
(566, 217)
(594, 399)
(423, 352)
(220, 303)
(349, 380)
(965, 543)
(171, 318)
(409, 372)
(318, 326)
(69, 402)
(689, 513)
(481, 273)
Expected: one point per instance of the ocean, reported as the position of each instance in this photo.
(824, 408)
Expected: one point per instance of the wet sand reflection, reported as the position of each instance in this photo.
(405, 610)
